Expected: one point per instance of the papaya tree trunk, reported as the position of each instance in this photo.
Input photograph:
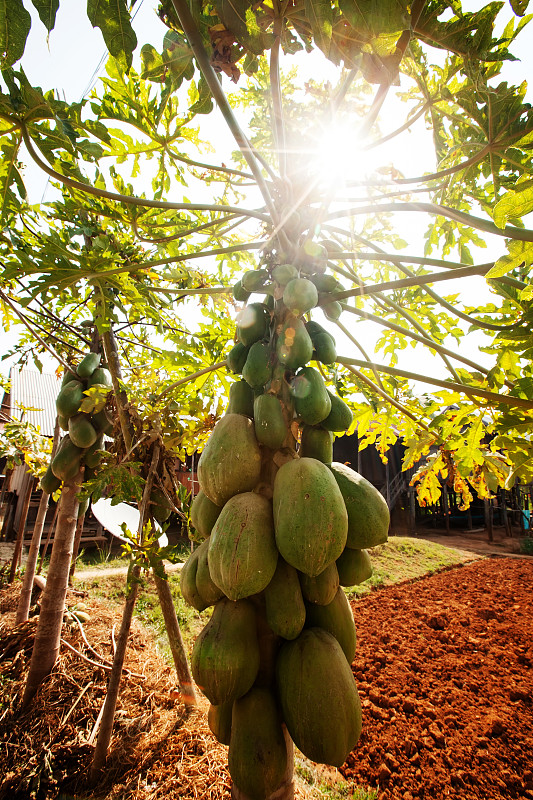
(175, 640)
(29, 572)
(51, 530)
(31, 563)
(48, 636)
(110, 703)
(20, 532)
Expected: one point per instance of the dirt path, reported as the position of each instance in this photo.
(444, 669)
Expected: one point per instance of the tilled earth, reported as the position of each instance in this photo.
(444, 667)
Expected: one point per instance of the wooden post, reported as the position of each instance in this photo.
(412, 511)
(176, 641)
(446, 508)
(488, 519)
(75, 550)
(5, 487)
(20, 533)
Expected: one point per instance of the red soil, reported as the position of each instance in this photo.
(444, 668)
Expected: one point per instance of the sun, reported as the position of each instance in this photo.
(341, 155)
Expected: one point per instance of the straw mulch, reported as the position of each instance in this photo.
(156, 751)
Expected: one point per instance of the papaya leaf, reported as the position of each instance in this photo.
(15, 23)
(514, 204)
(113, 19)
(518, 253)
(519, 7)
(239, 18)
(320, 15)
(47, 10)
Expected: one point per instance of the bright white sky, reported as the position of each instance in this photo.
(76, 55)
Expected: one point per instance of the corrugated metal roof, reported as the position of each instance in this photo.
(36, 391)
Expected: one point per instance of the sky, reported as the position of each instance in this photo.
(75, 55)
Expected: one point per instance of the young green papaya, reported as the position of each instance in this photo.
(252, 323)
(82, 432)
(241, 399)
(294, 346)
(312, 402)
(237, 357)
(270, 427)
(69, 399)
(258, 368)
(87, 365)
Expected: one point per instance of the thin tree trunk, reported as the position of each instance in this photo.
(5, 486)
(52, 528)
(76, 548)
(110, 703)
(176, 642)
(48, 636)
(29, 573)
(20, 533)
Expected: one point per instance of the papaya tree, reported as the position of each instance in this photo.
(321, 252)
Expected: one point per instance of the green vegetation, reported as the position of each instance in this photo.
(323, 784)
(403, 559)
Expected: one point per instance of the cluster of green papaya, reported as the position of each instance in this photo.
(283, 529)
(86, 431)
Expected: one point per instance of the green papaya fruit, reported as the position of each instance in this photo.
(254, 279)
(188, 583)
(335, 618)
(83, 507)
(283, 273)
(231, 460)
(368, 513)
(340, 416)
(63, 422)
(314, 328)
(103, 422)
(160, 506)
(239, 293)
(310, 518)
(100, 376)
(269, 422)
(294, 347)
(87, 365)
(312, 402)
(237, 358)
(257, 756)
(69, 399)
(242, 547)
(354, 567)
(82, 432)
(316, 443)
(66, 462)
(49, 482)
(284, 604)
(332, 309)
(325, 350)
(258, 368)
(208, 591)
(322, 588)
(69, 377)
(325, 283)
(300, 295)
(91, 456)
(225, 656)
(318, 696)
(219, 721)
(204, 513)
(252, 323)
